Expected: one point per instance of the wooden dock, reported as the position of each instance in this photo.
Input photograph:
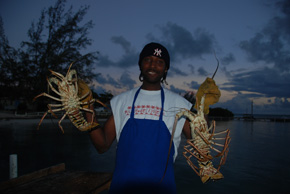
(56, 179)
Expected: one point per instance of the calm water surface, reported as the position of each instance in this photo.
(258, 161)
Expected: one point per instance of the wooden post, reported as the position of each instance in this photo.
(13, 166)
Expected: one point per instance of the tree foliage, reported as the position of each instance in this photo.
(57, 39)
(9, 66)
(105, 97)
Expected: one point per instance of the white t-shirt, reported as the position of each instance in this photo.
(148, 106)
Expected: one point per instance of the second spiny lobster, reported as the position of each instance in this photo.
(205, 141)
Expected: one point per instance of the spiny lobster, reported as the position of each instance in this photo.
(70, 102)
(204, 140)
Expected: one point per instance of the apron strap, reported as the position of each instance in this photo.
(133, 105)
(162, 104)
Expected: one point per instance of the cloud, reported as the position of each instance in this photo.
(175, 71)
(127, 60)
(125, 81)
(193, 85)
(192, 69)
(268, 82)
(108, 80)
(104, 61)
(240, 104)
(99, 89)
(272, 43)
(270, 46)
(229, 58)
(201, 71)
(182, 44)
(177, 90)
(279, 106)
(126, 45)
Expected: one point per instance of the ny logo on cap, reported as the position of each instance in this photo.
(157, 52)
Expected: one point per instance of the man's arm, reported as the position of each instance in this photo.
(186, 129)
(102, 137)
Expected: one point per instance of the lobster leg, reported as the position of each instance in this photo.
(226, 151)
(61, 121)
(225, 145)
(91, 111)
(195, 168)
(56, 81)
(55, 105)
(57, 74)
(47, 95)
(38, 126)
(204, 157)
(44, 115)
(212, 129)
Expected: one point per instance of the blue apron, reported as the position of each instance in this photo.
(142, 155)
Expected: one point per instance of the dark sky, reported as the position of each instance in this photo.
(251, 38)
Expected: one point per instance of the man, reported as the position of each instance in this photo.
(142, 123)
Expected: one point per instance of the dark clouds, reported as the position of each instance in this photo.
(192, 69)
(125, 81)
(241, 104)
(127, 60)
(181, 43)
(193, 84)
(268, 82)
(268, 51)
(126, 45)
(201, 71)
(176, 71)
(228, 59)
(177, 90)
(270, 46)
(101, 79)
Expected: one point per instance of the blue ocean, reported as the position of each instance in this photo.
(258, 160)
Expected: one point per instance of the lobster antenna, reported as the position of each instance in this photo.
(170, 145)
(218, 64)
(70, 67)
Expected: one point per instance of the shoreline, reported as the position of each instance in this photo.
(10, 115)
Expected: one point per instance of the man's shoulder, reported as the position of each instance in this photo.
(174, 97)
(125, 94)
(172, 94)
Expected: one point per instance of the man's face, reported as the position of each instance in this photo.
(153, 69)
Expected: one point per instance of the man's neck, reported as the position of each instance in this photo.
(151, 87)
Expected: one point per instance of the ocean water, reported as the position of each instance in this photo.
(258, 160)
